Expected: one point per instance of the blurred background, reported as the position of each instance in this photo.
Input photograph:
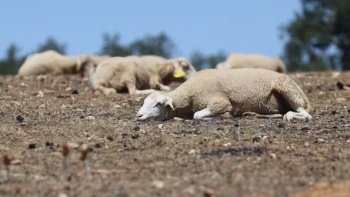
(306, 34)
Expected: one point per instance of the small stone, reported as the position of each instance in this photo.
(256, 139)
(16, 162)
(273, 155)
(135, 136)
(20, 118)
(138, 99)
(306, 144)
(63, 106)
(192, 152)
(72, 145)
(178, 132)
(281, 125)
(340, 100)
(41, 78)
(68, 89)
(305, 129)
(334, 112)
(136, 128)
(39, 94)
(109, 138)
(90, 118)
(160, 126)
(32, 146)
(117, 106)
(227, 144)
(320, 140)
(207, 192)
(158, 184)
(48, 143)
(62, 195)
(16, 103)
(75, 92)
(97, 145)
(180, 119)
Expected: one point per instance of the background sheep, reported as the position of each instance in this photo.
(120, 74)
(240, 60)
(51, 62)
(240, 92)
(183, 68)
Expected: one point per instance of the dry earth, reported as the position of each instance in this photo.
(225, 157)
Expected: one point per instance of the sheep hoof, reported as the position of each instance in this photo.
(297, 116)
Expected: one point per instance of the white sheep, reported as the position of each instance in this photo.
(121, 74)
(240, 60)
(138, 75)
(212, 92)
(51, 62)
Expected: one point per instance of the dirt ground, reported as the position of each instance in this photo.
(224, 157)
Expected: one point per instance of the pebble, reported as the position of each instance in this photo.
(158, 184)
(90, 118)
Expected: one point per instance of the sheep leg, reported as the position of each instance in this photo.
(132, 89)
(269, 116)
(156, 83)
(301, 114)
(296, 99)
(204, 114)
(106, 91)
(215, 108)
(164, 87)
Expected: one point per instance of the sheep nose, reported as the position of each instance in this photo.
(138, 115)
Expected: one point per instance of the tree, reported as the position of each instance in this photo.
(318, 38)
(201, 61)
(111, 46)
(12, 62)
(160, 45)
(52, 44)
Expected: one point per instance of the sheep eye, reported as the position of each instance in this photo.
(158, 104)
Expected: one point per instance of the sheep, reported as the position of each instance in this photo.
(212, 92)
(119, 74)
(51, 62)
(240, 60)
(137, 73)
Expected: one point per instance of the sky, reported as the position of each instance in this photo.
(247, 26)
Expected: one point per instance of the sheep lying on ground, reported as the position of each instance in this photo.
(212, 92)
(120, 74)
(51, 62)
(138, 75)
(240, 60)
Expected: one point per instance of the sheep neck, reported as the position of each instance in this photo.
(181, 105)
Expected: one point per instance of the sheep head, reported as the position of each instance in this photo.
(183, 68)
(154, 107)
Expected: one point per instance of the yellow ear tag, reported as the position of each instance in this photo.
(179, 73)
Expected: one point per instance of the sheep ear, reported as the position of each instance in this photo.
(169, 102)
